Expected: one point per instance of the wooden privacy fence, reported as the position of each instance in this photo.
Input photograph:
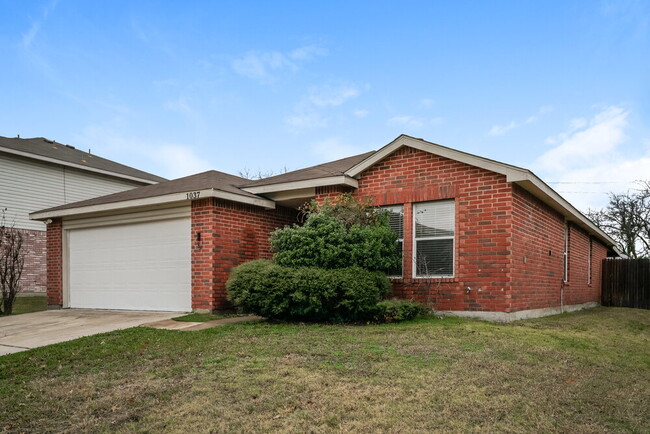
(626, 283)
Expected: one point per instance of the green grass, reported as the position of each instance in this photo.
(27, 304)
(203, 317)
(584, 372)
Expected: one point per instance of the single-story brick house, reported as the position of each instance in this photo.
(479, 237)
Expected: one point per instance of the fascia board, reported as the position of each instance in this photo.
(297, 185)
(76, 166)
(432, 148)
(156, 200)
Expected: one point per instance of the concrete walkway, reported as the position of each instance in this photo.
(31, 330)
(170, 324)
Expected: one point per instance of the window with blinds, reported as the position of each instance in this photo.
(396, 220)
(433, 239)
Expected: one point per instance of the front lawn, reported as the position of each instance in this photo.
(29, 303)
(204, 317)
(583, 372)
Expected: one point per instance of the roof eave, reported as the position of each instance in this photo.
(76, 166)
(152, 201)
(298, 185)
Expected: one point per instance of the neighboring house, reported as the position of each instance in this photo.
(40, 173)
(479, 237)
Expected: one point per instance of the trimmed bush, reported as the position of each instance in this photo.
(398, 310)
(326, 242)
(307, 293)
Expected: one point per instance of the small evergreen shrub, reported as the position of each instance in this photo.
(398, 310)
(344, 234)
(307, 293)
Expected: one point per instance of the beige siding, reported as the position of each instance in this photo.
(29, 185)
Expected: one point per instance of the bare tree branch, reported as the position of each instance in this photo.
(627, 220)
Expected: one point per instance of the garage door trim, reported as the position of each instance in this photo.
(115, 220)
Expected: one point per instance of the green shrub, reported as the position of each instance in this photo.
(354, 236)
(306, 293)
(398, 310)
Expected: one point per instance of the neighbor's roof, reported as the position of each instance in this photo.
(40, 148)
(207, 184)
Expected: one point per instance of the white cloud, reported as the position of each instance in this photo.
(500, 130)
(167, 159)
(303, 121)
(414, 122)
(263, 66)
(334, 149)
(360, 113)
(180, 105)
(586, 141)
(260, 66)
(308, 52)
(332, 96)
(179, 161)
(590, 159)
(308, 113)
(30, 35)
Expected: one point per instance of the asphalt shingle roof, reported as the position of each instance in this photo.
(201, 181)
(325, 170)
(42, 147)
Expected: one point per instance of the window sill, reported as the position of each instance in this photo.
(424, 279)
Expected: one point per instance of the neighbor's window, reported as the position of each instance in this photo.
(433, 240)
(396, 221)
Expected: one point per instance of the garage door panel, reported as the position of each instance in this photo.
(143, 266)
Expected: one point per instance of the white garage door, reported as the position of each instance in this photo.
(140, 266)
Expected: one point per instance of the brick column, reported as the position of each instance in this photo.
(203, 238)
(55, 264)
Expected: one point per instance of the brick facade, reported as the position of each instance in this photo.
(34, 278)
(508, 245)
(502, 240)
(230, 234)
(55, 263)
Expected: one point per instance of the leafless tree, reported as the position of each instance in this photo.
(627, 220)
(254, 176)
(12, 261)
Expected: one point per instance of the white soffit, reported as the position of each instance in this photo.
(304, 184)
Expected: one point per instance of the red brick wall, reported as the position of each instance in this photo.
(502, 241)
(55, 263)
(483, 220)
(538, 253)
(231, 234)
(34, 278)
(538, 258)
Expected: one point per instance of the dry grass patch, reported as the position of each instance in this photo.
(585, 372)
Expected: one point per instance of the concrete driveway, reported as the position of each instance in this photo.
(31, 330)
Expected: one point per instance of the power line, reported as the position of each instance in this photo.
(593, 182)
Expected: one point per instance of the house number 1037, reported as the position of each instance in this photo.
(193, 194)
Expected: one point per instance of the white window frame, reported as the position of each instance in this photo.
(565, 277)
(416, 239)
(400, 207)
(589, 253)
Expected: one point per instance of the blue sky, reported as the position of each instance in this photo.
(174, 88)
